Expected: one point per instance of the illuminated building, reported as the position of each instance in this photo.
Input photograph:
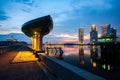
(105, 30)
(113, 34)
(36, 29)
(93, 34)
(81, 36)
(108, 34)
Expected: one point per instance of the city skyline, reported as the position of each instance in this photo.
(68, 16)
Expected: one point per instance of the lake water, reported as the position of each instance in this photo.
(91, 58)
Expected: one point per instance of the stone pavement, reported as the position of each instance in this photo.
(29, 70)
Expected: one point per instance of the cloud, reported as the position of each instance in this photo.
(70, 37)
(60, 18)
(61, 38)
(9, 30)
(27, 10)
(23, 11)
(26, 2)
(3, 16)
(65, 37)
(93, 4)
(87, 37)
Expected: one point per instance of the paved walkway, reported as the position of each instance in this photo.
(20, 71)
(24, 56)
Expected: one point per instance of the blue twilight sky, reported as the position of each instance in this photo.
(68, 16)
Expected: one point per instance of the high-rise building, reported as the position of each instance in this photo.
(105, 30)
(113, 34)
(108, 34)
(93, 34)
(81, 36)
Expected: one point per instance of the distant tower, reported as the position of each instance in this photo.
(81, 36)
(105, 31)
(93, 34)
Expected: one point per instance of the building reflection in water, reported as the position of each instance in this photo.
(104, 56)
(81, 54)
(54, 51)
(93, 55)
(109, 59)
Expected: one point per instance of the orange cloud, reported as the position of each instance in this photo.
(87, 37)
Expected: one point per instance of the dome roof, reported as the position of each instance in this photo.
(42, 26)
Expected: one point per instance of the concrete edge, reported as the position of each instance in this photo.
(80, 72)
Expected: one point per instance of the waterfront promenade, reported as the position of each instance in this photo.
(20, 63)
(24, 70)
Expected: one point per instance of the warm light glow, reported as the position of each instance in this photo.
(86, 37)
(35, 32)
(86, 51)
(35, 42)
(94, 64)
(70, 50)
(93, 27)
(81, 47)
(23, 56)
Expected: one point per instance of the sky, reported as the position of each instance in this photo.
(68, 16)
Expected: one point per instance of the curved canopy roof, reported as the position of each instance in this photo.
(42, 26)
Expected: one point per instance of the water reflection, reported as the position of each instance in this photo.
(109, 59)
(102, 57)
(93, 55)
(96, 59)
(54, 52)
(81, 54)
